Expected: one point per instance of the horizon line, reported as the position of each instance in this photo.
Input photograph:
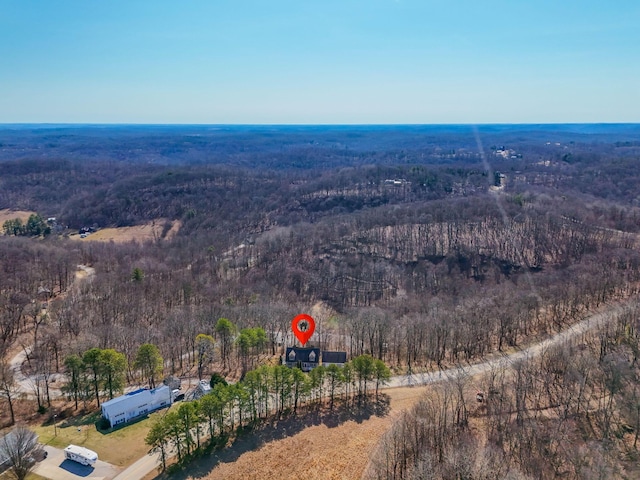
(452, 124)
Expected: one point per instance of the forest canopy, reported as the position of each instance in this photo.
(415, 247)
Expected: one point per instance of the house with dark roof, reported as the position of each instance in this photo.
(306, 359)
(334, 358)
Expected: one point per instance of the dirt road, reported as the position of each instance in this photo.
(26, 385)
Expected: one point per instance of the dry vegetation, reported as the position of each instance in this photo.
(151, 231)
(434, 272)
(572, 412)
(8, 214)
(324, 449)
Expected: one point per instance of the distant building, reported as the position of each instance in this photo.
(44, 292)
(334, 358)
(132, 405)
(306, 359)
(396, 182)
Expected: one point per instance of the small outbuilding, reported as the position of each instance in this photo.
(135, 404)
(334, 358)
(202, 389)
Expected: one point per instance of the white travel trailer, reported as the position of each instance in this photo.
(81, 455)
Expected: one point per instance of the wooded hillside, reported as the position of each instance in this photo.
(415, 248)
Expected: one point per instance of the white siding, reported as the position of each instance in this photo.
(81, 455)
(135, 404)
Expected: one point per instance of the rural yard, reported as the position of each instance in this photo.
(151, 231)
(271, 452)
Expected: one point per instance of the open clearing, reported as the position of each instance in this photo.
(140, 233)
(319, 451)
(7, 214)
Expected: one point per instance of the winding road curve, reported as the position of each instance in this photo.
(25, 385)
(592, 322)
(150, 462)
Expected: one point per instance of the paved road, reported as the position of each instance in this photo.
(56, 467)
(26, 385)
(592, 322)
(23, 384)
(150, 462)
(141, 468)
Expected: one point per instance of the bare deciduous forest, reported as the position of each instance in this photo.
(417, 249)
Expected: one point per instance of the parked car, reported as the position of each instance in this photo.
(177, 395)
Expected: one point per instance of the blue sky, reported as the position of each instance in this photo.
(319, 61)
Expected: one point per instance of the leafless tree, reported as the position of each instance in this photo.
(8, 387)
(22, 449)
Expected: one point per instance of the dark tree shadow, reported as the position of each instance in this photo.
(277, 429)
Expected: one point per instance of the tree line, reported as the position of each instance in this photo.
(439, 314)
(266, 393)
(34, 227)
(105, 371)
(572, 412)
(419, 274)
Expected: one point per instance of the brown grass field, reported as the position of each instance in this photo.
(140, 233)
(7, 214)
(314, 449)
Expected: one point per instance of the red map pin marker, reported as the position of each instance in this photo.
(303, 326)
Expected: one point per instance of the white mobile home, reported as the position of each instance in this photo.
(81, 455)
(136, 404)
